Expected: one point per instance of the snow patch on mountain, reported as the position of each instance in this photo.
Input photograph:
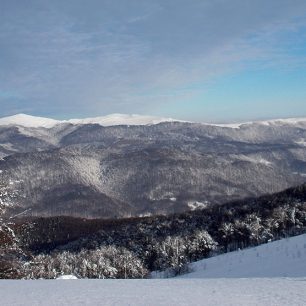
(193, 205)
(253, 159)
(8, 146)
(302, 142)
(271, 122)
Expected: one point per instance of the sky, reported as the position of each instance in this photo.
(201, 60)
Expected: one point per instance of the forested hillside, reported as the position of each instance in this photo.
(131, 248)
(93, 171)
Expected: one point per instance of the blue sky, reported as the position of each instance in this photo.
(213, 61)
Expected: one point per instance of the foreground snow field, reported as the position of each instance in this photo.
(249, 277)
(261, 291)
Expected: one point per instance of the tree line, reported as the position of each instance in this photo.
(132, 248)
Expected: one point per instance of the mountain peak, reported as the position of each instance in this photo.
(28, 121)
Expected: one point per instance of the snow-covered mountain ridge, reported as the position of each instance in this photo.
(109, 120)
(25, 120)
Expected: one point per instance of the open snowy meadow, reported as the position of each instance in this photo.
(265, 291)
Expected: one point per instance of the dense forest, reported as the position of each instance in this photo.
(132, 248)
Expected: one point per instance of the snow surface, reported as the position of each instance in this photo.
(65, 277)
(252, 159)
(125, 119)
(286, 121)
(264, 292)
(28, 121)
(193, 205)
(109, 120)
(122, 119)
(302, 142)
(283, 258)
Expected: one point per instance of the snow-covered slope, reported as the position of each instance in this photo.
(283, 258)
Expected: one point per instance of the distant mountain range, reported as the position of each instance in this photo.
(131, 165)
(124, 119)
